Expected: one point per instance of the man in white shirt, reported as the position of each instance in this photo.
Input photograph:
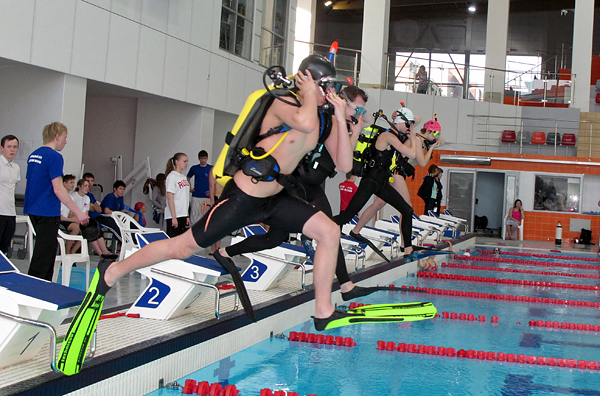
(10, 174)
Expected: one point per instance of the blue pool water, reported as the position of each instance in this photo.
(304, 368)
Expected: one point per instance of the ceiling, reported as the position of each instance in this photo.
(352, 10)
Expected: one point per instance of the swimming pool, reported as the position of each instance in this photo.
(530, 322)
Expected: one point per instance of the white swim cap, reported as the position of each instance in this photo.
(407, 113)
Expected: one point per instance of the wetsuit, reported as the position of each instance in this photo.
(376, 181)
(309, 179)
(237, 209)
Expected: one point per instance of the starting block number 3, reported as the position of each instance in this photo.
(254, 272)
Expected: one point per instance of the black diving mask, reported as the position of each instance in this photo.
(329, 82)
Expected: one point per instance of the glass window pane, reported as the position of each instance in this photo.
(244, 7)
(265, 48)
(229, 3)
(226, 33)
(280, 22)
(268, 15)
(557, 193)
(243, 31)
(278, 51)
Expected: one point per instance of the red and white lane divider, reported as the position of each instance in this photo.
(508, 253)
(528, 262)
(518, 271)
(435, 275)
(203, 388)
(542, 300)
(564, 325)
(321, 339)
(484, 355)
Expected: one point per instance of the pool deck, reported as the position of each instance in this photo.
(134, 354)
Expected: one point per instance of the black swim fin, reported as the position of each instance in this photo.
(74, 347)
(359, 291)
(362, 239)
(229, 266)
(384, 313)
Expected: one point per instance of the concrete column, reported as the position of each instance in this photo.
(583, 29)
(304, 31)
(495, 49)
(73, 116)
(376, 22)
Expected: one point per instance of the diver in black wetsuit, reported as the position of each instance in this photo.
(310, 175)
(376, 181)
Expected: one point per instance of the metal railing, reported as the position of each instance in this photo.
(549, 139)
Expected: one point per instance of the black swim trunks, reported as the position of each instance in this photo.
(237, 209)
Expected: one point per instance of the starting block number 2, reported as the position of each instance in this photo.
(154, 295)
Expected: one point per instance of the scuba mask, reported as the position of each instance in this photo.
(329, 82)
(358, 110)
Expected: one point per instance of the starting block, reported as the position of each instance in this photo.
(379, 237)
(269, 267)
(176, 285)
(28, 305)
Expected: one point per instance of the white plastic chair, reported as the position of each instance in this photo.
(129, 227)
(519, 229)
(67, 260)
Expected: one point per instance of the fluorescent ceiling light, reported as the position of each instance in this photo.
(472, 8)
(328, 3)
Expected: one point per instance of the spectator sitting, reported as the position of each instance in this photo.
(141, 208)
(95, 208)
(68, 221)
(110, 203)
(514, 219)
(82, 200)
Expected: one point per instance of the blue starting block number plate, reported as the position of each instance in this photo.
(154, 295)
(254, 272)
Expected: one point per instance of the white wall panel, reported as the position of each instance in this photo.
(16, 29)
(123, 41)
(204, 22)
(155, 14)
(31, 98)
(180, 19)
(253, 81)
(465, 123)
(100, 3)
(73, 116)
(235, 83)
(53, 34)
(198, 71)
(90, 42)
(151, 61)
(421, 105)
(130, 9)
(215, 29)
(447, 112)
(176, 69)
(217, 83)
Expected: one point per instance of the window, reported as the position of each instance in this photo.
(236, 27)
(557, 193)
(274, 30)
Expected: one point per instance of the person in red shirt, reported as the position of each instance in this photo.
(347, 190)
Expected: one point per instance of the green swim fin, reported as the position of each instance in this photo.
(419, 310)
(383, 313)
(74, 347)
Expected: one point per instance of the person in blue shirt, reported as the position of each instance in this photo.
(110, 203)
(201, 196)
(95, 208)
(44, 191)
